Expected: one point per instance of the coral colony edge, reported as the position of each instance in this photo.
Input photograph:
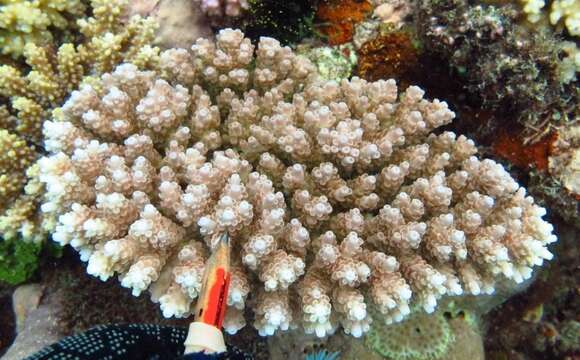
(341, 198)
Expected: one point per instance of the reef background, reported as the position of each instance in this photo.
(540, 322)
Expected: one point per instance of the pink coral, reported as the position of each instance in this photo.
(338, 197)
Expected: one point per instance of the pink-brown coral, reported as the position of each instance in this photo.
(221, 8)
(337, 196)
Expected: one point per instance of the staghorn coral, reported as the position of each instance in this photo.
(32, 22)
(16, 156)
(336, 195)
(50, 77)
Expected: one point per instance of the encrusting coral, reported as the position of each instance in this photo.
(336, 195)
(419, 337)
(52, 75)
(25, 22)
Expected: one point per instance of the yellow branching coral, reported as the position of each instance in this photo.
(112, 41)
(51, 75)
(23, 22)
(15, 157)
(336, 195)
(566, 12)
(22, 218)
(19, 211)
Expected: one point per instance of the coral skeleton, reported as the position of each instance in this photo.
(337, 196)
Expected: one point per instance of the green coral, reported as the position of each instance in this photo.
(18, 260)
(50, 75)
(420, 337)
(24, 22)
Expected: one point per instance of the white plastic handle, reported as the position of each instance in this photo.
(204, 337)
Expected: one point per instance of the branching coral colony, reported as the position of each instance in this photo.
(338, 196)
(23, 22)
(33, 94)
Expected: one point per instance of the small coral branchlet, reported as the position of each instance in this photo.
(338, 196)
(566, 12)
(31, 22)
(18, 176)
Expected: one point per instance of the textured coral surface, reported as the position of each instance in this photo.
(419, 337)
(33, 22)
(52, 72)
(337, 196)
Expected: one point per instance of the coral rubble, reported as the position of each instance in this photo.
(517, 72)
(337, 195)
